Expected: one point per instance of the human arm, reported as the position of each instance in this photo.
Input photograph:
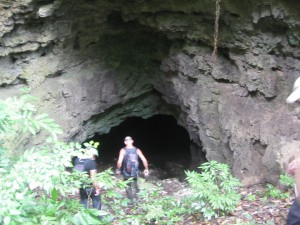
(294, 169)
(120, 160)
(95, 184)
(144, 160)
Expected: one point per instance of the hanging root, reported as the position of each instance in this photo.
(216, 34)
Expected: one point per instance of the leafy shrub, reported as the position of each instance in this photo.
(273, 192)
(35, 185)
(250, 197)
(214, 190)
(287, 180)
(155, 207)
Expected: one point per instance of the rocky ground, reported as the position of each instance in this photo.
(255, 207)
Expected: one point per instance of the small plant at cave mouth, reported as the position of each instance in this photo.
(158, 208)
(251, 197)
(215, 190)
(275, 193)
(287, 180)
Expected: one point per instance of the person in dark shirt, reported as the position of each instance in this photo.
(90, 167)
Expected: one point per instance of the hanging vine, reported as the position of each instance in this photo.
(216, 34)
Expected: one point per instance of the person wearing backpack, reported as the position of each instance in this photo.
(128, 165)
(87, 164)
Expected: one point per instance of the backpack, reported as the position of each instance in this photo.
(131, 163)
(79, 165)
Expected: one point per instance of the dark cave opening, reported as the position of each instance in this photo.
(160, 138)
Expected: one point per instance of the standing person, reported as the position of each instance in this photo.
(294, 212)
(88, 165)
(128, 157)
(294, 167)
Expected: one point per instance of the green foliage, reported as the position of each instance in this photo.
(155, 207)
(287, 180)
(91, 144)
(214, 193)
(20, 114)
(152, 206)
(161, 209)
(215, 189)
(69, 211)
(35, 184)
(250, 197)
(273, 192)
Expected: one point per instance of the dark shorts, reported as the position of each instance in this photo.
(294, 214)
(87, 192)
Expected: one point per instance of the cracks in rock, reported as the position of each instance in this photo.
(270, 98)
(13, 59)
(192, 79)
(259, 147)
(223, 81)
(20, 80)
(90, 44)
(45, 50)
(45, 2)
(272, 25)
(254, 94)
(17, 81)
(76, 45)
(234, 15)
(277, 68)
(56, 74)
(115, 20)
(41, 51)
(257, 94)
(43, 54)
(225, 53)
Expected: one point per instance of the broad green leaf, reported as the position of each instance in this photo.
(54, 194)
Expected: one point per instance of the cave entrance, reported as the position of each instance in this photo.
(165, 144)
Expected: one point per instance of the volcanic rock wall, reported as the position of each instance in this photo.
(94, 63)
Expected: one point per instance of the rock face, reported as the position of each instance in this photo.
(94, 63)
